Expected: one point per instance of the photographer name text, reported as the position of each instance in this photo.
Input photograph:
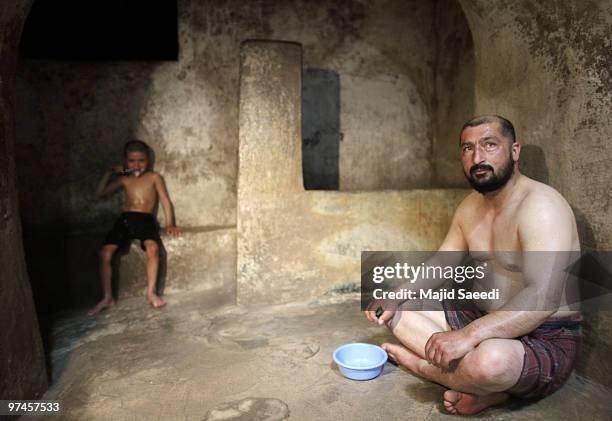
(440, 295)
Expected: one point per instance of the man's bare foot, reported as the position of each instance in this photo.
(105, 303)
(403, 356)
(155, 301)
(467, 404)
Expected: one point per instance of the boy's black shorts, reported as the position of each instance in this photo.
(133, 225)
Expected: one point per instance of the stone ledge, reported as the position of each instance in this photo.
(196, 260)
(64, 266)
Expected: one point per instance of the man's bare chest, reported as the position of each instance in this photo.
(495, 238)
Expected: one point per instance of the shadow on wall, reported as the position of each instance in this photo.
(533, 165)
(455, 78)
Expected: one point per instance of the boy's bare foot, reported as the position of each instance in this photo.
(105, 303)
(155, 301)
(467, 404)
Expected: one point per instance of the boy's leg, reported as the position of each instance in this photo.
(152, 250)
(478, 380)
(106, 274)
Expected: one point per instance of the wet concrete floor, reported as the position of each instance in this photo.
(196, 360)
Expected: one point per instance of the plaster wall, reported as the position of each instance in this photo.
(454, 91)
(73, 118)
(546, 66)
(22, 363)
(296, 244)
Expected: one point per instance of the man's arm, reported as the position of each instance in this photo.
(108, 184)
(453, 248)
(164, 199)
(546, 236)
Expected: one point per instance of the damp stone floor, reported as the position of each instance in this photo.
(197, 360)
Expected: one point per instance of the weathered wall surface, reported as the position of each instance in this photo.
(22, 363)
(454, 94)
(295, 244)
(384, 53)
(74, 117)
(546, 66)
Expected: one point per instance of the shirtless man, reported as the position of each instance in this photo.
(485, 357)
(142, 189)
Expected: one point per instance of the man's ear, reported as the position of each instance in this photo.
(516, 151)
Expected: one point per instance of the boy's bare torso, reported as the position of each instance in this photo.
(493, 237)
(140, 192)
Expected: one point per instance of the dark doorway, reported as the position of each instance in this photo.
(101, 30)
(320, 129)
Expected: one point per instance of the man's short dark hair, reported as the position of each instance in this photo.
(136, 146)
(507, 129)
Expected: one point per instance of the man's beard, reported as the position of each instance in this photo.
(494, 181)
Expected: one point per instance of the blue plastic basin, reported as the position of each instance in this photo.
(360, 361)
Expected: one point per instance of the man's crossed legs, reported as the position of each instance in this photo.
(477, 381)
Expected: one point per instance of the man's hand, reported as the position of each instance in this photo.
(388, 311)
(173, 231)
(444, 347)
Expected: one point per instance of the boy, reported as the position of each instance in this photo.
(142, 189)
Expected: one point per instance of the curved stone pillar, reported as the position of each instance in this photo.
(22, 362)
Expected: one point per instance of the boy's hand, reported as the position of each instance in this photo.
(173, 231)
(117, 169)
